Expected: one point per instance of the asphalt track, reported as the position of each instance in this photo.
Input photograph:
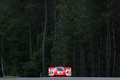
(63, 78)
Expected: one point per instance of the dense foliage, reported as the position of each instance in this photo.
(82, 34)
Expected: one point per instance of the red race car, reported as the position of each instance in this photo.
(60, 72)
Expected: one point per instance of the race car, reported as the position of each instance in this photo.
(59, 72)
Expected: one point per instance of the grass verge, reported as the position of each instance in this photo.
(10, 76)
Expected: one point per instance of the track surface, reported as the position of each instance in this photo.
(62, 78)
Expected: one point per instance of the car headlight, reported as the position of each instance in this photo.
(51, 73)
(68, 73)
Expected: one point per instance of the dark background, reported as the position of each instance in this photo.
(82, 34)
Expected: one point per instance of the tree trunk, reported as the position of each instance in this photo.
(108, 42)
(37, 31)
(108, 48)
(2, 61)
(55, 22)
(92, 61)
(44, 38)
(74, 67)
(3, 68)
(30, 34)
(55, 17)
(82, 62)
(99, 56)
(114, 46)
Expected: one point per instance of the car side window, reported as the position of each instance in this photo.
(55, 69)
(64, 69)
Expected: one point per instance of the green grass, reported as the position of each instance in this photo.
(11, 76)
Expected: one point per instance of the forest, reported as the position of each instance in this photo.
(38, 34)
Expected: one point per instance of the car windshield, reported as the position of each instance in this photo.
(60, 69)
